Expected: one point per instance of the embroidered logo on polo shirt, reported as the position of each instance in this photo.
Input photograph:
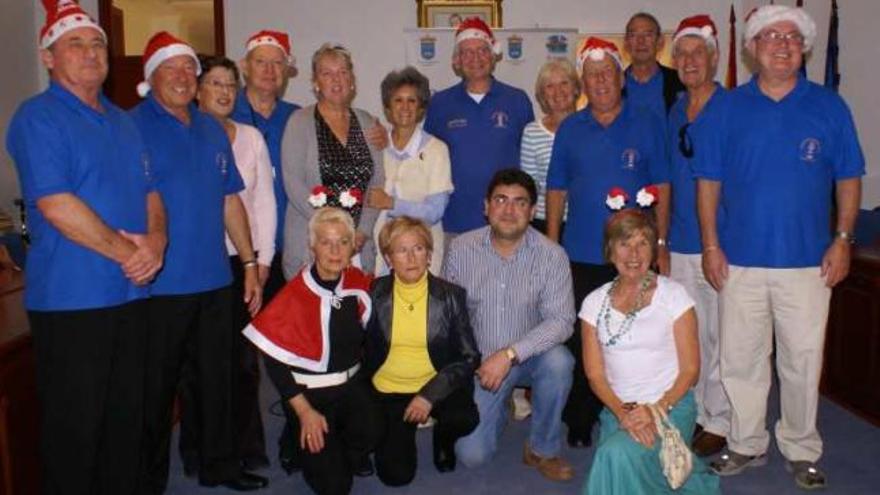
(628, 158)
(810, 149)
(456, 123)
(500, 118)
(222, 163)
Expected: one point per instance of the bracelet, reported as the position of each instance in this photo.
(661, 241)
(848, 237)
(249, 263)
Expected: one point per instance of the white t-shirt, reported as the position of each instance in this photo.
(643, 364)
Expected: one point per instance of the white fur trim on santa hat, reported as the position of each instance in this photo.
(598, 55)
(478, 34)
(264, 40)
(704, 32)
(160, 56)
(66, 24)
(771, 14)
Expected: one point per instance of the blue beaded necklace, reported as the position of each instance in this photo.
(625, 326)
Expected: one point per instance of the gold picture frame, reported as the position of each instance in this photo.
(448, 13)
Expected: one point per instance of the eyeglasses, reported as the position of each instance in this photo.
(469, 53)
(641, 35)
(775, 37)
(684, 142)
(502, 200)
(416, 251)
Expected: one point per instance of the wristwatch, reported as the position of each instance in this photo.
(511, 355)
(845, 236)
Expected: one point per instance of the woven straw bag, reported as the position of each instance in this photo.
(675, 456)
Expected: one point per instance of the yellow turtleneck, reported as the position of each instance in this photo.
(408, 366)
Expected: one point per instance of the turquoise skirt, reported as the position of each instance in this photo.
(623, 466)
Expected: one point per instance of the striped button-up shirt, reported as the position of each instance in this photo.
(524, 301)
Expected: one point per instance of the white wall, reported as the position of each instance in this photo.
(373, 30)
(20, 79)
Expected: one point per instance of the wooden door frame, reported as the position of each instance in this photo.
(119, 63)
(104, 7)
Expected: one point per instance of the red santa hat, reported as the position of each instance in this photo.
(698, 25)
(272, 38)
(474, 28)
(160, 48)
(761, 17)
(596, 49)
(63, 16)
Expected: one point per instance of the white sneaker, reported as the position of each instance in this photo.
(522, 408)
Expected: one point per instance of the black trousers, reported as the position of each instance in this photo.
(353, 429)
(190, 331)
(396, 463)
(89, 377)
(582, 408)
(247, 422)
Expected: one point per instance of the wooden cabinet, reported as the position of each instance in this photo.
(851, 375)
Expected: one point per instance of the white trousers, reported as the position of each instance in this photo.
(713, 406)
(758, 304)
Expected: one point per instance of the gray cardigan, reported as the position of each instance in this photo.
(299, 165)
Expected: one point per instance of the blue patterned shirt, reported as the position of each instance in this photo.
(524, 301)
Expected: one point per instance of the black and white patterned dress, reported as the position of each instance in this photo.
(343, 167)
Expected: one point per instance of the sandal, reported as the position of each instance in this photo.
(807, 475)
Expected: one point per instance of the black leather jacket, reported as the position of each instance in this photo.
(451, 344)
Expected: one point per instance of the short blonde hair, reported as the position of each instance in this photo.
(557, 64)
(403, 225)
(626, 223)
(330, 214)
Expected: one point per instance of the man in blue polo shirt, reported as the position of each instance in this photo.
(695, 51)
(649, 83)
(98, 236)
(481, 120)
(190, 315)
(604, 157)
(266, 68)
(778, 147)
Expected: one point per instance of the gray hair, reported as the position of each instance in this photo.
(330, 214)
(557, 64)
(408, 76)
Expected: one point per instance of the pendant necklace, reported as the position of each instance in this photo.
(630, 316)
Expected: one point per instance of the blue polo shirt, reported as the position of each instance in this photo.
(684, 225)
(777, 163)
(482, 138)
(272, 130)
(194, 170)
(61, 145)
(589, 160)
(648, 94)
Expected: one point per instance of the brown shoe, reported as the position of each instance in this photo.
(706, 444)
(552, 468)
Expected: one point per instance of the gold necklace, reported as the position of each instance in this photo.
(410, 304)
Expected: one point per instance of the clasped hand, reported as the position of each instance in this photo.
(639, 423)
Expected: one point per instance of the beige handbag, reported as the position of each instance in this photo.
(676, 458)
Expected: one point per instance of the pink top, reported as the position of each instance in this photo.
(252, 159)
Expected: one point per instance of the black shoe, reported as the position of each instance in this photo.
(578, 439)
(444, 458)
(364, 467)
(255, 462)
(243, 482)
(190, 469)
(290, 464)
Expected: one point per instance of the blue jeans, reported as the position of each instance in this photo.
(549, 375)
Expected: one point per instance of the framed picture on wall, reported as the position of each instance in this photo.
(449, 13)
